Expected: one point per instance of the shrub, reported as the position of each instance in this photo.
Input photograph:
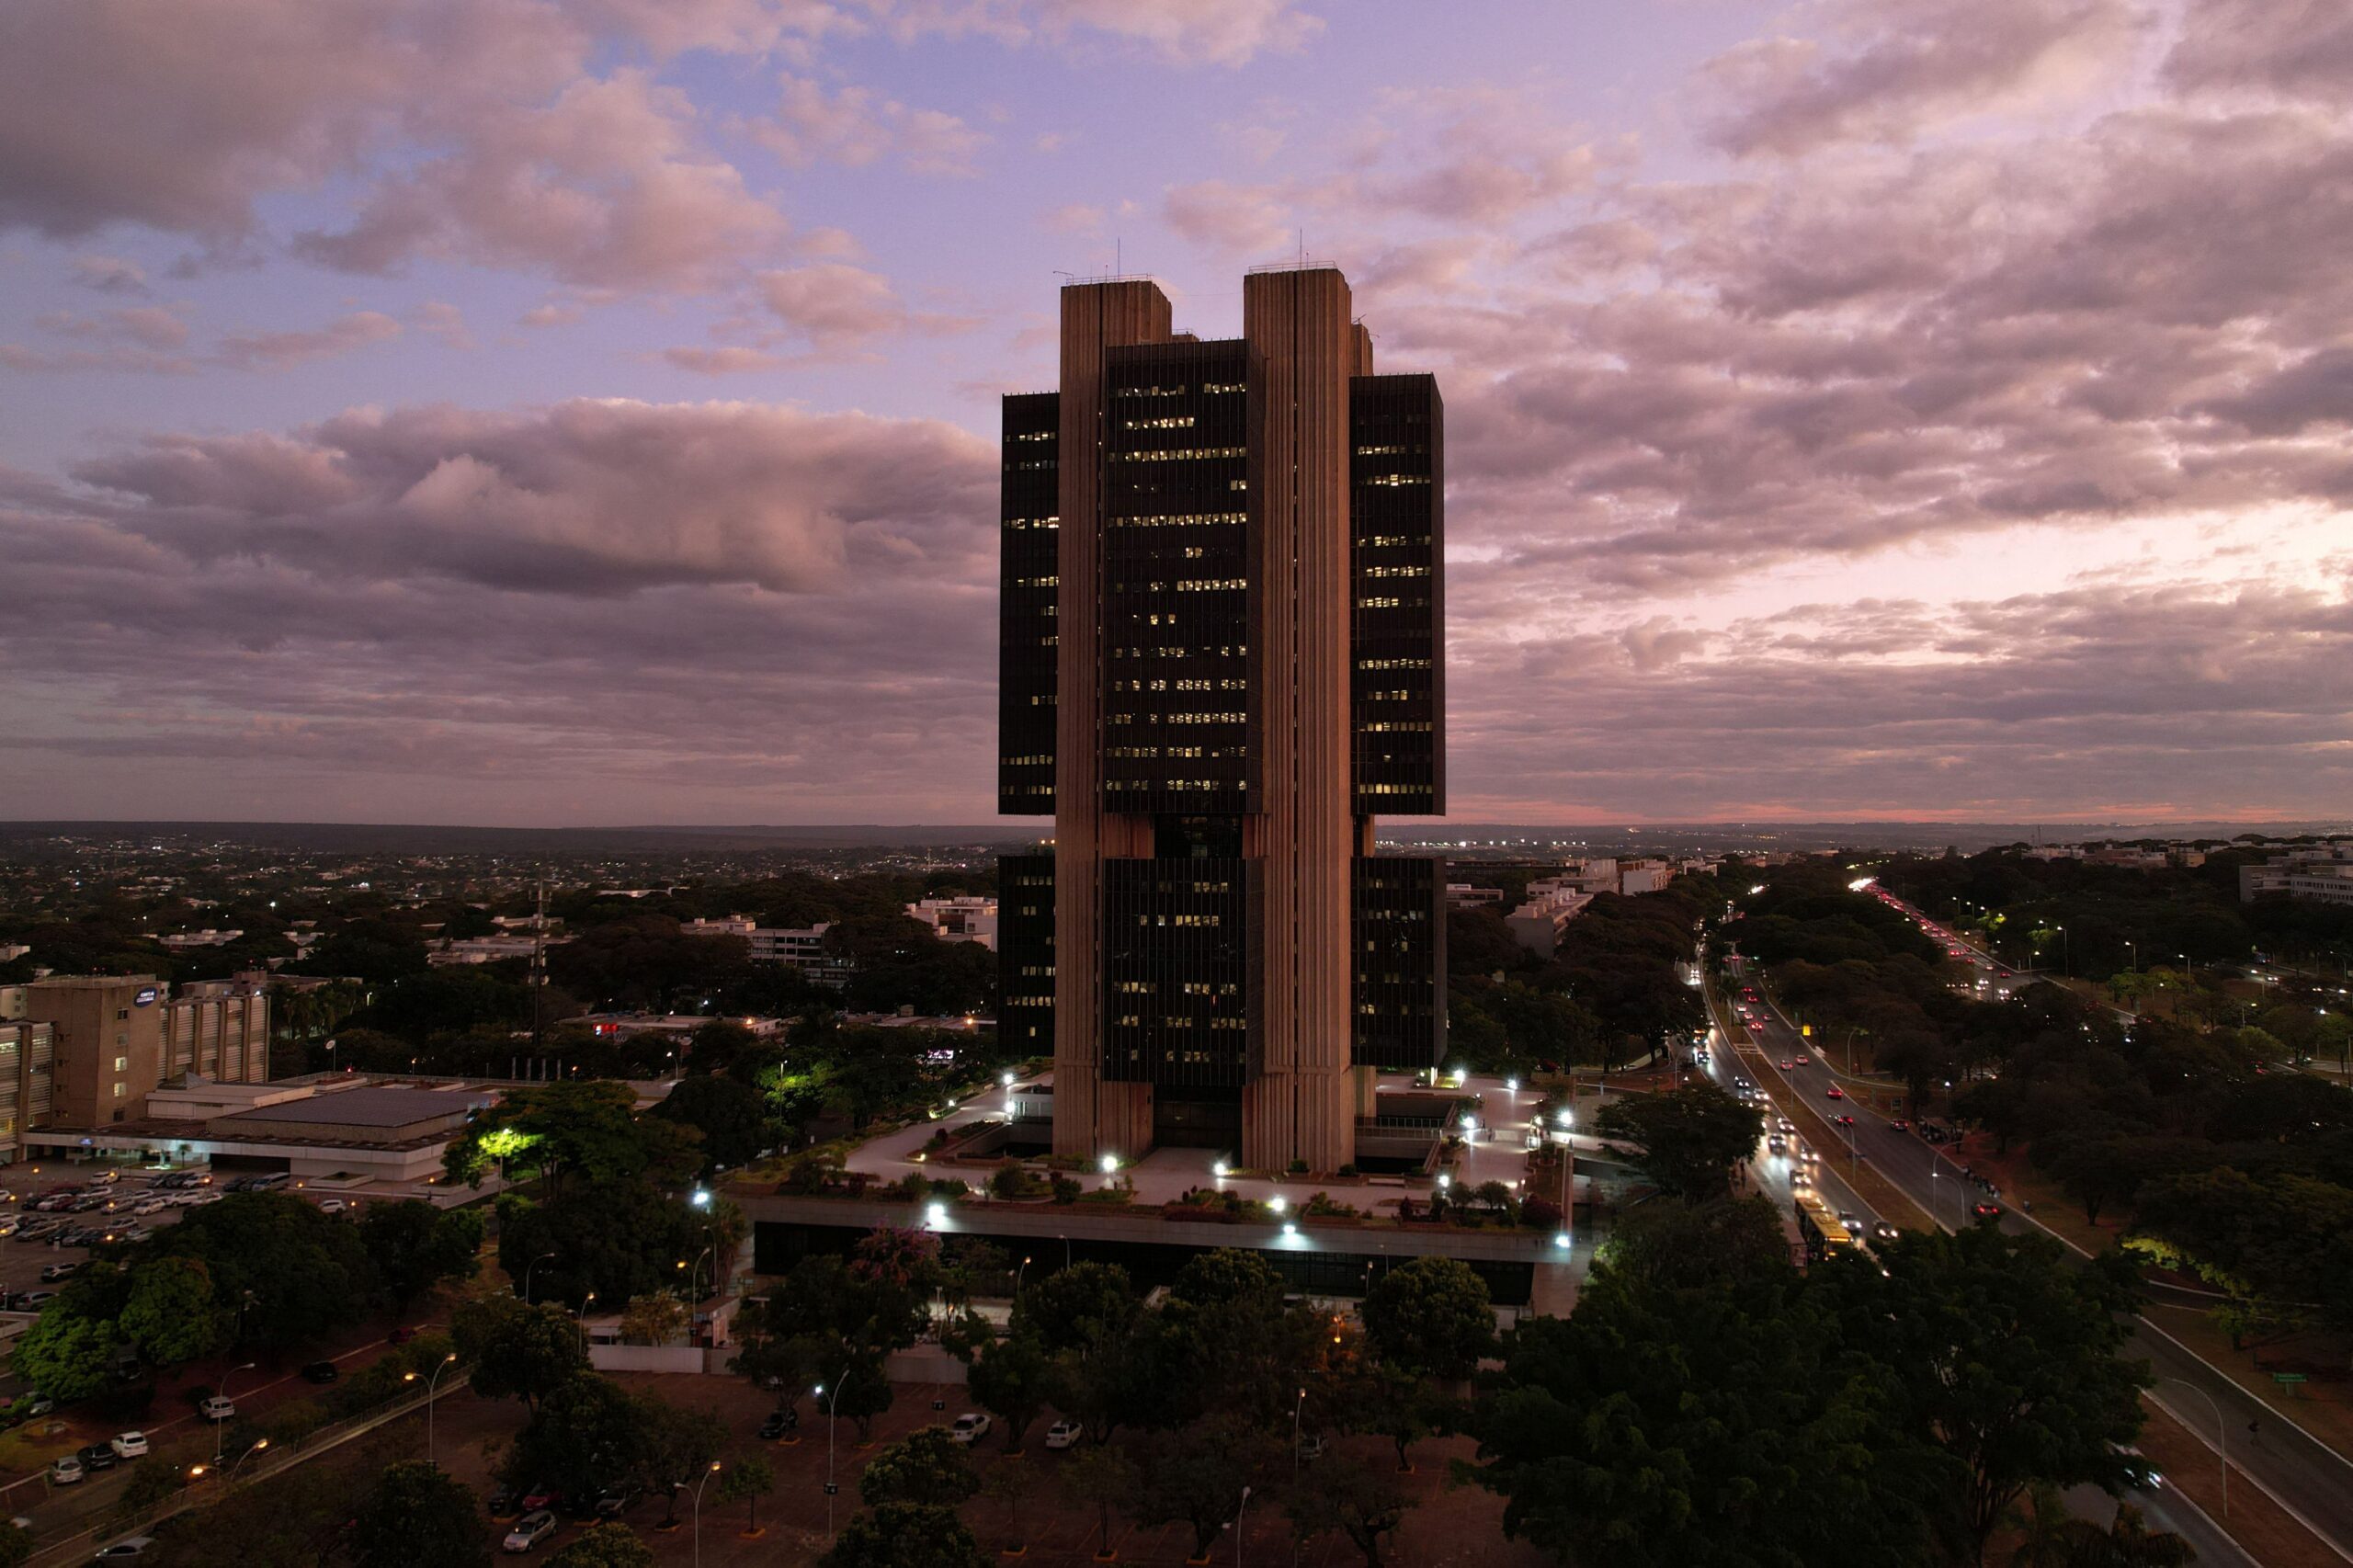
(1065, 1190)
(1540, 1213)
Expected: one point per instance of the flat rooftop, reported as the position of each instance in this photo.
(379, 1105)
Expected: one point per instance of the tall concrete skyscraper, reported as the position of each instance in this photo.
(1222, 653)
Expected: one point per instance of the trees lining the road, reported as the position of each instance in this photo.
(1687, 1141)
(1706, 1403)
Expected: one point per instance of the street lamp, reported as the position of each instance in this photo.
(447, 1362)
(699, 1486)
(832, 1406)
(694, 1280)
(584, 1322)
(221, 1394)
(527, 1270)
(1243, 1507)
(231, 1478)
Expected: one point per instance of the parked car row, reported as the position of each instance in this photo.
(71, 1470)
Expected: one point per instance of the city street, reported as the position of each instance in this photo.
(2309, 1480)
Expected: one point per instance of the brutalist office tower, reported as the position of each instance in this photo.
(1222, 656)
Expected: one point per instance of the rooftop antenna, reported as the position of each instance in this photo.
(1118, 256)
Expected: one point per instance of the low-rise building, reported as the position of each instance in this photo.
(1463, 895)
(181, 941)
(482, 949)
(1552, 904)
(958, 919)
(2317, 874)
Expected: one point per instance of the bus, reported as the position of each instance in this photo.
(1819, 1229)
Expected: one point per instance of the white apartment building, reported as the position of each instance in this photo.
(960, 919)
(2321, 874)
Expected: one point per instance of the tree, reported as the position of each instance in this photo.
(1101, 1475)
(1347, 1496)
(286, 1273)
(653, 1319)
(1373, 1396)
(1689, 1142)
(67, 1355)
(906, 1535)
(517, 1351)
(619, 1239)
(172, 1312)
(1074, 1306)
(746, 1481)
(1195, 1475)
(1698, 1407)
(674, 1447)
(2007, 1356)
(926, 1467)
(15, 1546)
(1013, 1380)
(863, 1394)
(589, 1127)
(608, 1545)
(1431, 1315)
(583, 1437)
(417, 1246)
(733, 1118)
(416, 1512)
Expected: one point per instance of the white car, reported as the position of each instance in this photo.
(216, 1408)
(529, 1531)
(970, 1427)
(129, 1445)
(150, 1206)
(124, 1550)
(1063, 1435)
(331, 1206)
(66, 1471)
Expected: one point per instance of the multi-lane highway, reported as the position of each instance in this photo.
(2305, 1477)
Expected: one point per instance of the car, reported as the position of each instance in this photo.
(778, 1423)
(1843, 1120)
(1901, 1125)
(1849, 1217)
(529, 1530)
(1883, 1232)
(34, 1300)
(540, 1498)
(504, 1504)
(1835, 1092)
(1806, 1153)
(125, 1550)
(39, 1230)
(1785, 1124)
(1800, 1179)
(1985, 1209)
(36, 1403)
(95, 1456)
(331, 1206)
(320, 1372)
(970, 1427)
(216, 1408)
(56, 1271)
(1064, 1434)
(66, 1471)
(107, 1179)
(147, 1206)
(202, 1199)
(1777, 1144)
(129, 1445)
(1803, 1060)
(614, 1501)
(1789, 1067)
(10, 1226)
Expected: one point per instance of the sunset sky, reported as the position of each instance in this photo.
(552, 412)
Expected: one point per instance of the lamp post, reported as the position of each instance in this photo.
(832, 1406)
(1240, 1509)
(447, 1361)
(2222, 1436)
(583, 1322)
(222, 1393)
(530, 1269)
(694, 1280)
(699, 1486)
(231, 1478)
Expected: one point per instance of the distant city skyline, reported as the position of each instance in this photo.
(583, 412)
